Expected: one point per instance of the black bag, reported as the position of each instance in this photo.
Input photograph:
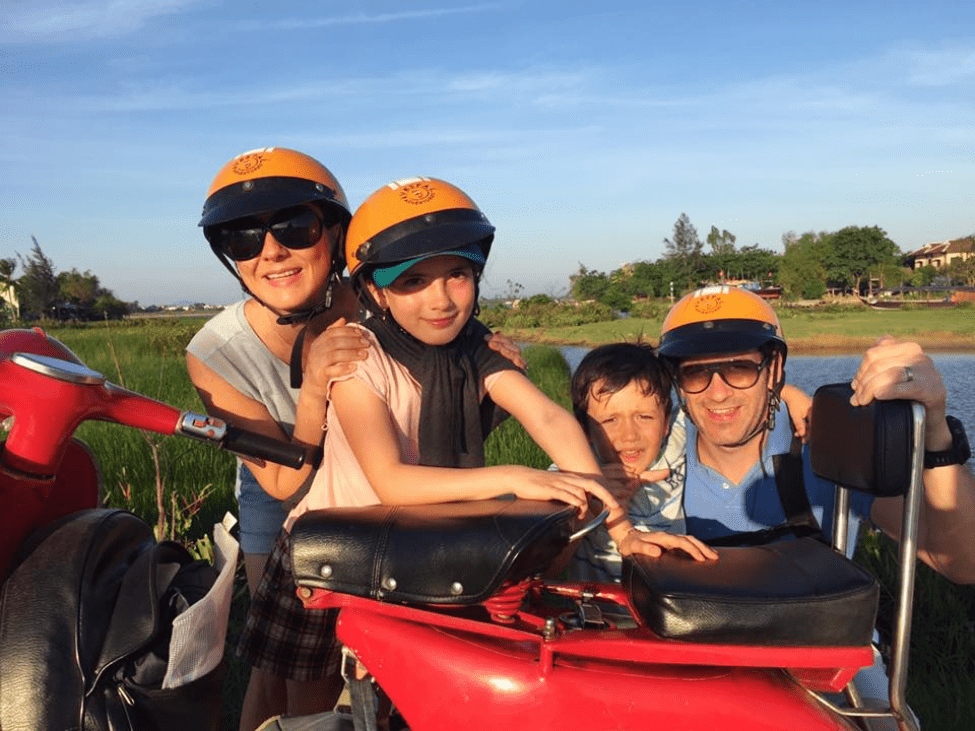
(85, 621)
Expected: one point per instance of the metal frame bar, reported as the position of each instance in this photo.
(899, 711)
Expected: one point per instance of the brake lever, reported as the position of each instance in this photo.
(590, 526)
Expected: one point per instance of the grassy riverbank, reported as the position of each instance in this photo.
(831, 330)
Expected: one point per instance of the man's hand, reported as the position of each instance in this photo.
(506, 346)
(894, 369)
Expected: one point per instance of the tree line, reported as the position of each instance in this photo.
(854, 259)
(46, 294)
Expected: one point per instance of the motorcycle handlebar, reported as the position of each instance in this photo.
(243, 442)
(257, 445)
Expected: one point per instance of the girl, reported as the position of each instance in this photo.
(420, 405)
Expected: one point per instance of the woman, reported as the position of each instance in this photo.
(276, 218)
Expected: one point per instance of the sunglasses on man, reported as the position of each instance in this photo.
(738, 374)
(243, 238)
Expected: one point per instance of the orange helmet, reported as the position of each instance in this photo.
(411, 219)
(268, 180)
(271, 179)
(719, 320)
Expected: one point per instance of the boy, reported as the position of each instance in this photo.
(621, 398)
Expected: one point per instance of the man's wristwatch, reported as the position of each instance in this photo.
(958, 453)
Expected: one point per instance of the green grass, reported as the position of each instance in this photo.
(510, 443)
(942, 676)
(848, 328)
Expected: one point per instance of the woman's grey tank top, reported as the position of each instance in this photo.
(228, 345)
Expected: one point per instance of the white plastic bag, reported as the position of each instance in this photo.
(200, 633)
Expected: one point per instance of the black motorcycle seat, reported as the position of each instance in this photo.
(791, 593)
(451, 553)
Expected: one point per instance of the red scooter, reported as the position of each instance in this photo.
(88, 595)
(446, 607)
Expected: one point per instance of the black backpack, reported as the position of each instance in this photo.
(85, 621)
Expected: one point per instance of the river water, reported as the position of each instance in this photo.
(809, 372)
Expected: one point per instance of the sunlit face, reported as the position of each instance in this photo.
(627, 427)
(289, 279)
(432, 300)
(723, 415)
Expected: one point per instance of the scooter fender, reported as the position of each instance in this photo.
(442, 678)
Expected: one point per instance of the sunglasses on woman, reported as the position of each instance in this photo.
(243, 238)
(739, 374)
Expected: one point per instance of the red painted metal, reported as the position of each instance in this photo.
(448, 679)
(587, 678)
(43, 474)
(46, 412)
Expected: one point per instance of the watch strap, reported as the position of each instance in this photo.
(958, 453)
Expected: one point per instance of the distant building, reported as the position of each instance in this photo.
(9, 295)
(940, 254)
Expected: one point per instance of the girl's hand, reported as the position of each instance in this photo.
(506, 346)
(638, 542)
(566, 487)
(334, 353)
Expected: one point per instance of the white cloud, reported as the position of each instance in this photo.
(942, 67)
(306, 23)
(54, 21)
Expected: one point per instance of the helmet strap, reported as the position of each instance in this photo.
(307, 316)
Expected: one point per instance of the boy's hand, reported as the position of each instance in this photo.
(799, 405)
(638, 542)
(622, 484)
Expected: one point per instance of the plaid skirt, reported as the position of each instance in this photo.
(280, 636)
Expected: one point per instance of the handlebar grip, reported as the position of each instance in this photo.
(274, 450)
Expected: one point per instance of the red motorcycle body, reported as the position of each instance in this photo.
(482, 678)
(446, 608)
(44, 474)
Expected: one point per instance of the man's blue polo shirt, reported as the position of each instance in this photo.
(716, 507)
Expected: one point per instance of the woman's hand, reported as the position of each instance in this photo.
(638, 542)
(506, 346)
(334, 353)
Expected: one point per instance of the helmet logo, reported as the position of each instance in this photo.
(415, 191)
(249, 162)
(708, 304)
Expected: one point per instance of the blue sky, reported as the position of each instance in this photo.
(582, 129)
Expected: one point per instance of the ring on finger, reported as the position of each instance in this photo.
(908, 374)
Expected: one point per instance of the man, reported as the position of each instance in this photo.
(728, 357)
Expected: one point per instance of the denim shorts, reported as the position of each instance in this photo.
(261, 516)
